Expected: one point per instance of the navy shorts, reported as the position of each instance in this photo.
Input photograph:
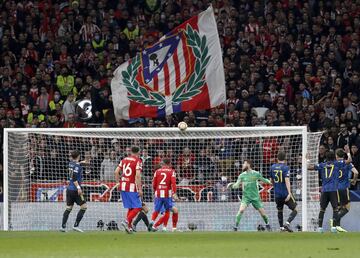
(163, 204)
(131, 200)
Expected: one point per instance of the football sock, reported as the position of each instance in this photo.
(79, 216)
(238, 218)
(154, 216)
(163, 220)
(266, 219)
(175, 218)
(292, 216)
(65, 217)
(281, 218)
(141, 216)
(342, 213)
(336, 218)
(321, 218)
(132, 215)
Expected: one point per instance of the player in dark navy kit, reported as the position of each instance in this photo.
(74, 192)
(280, 177)
(329, 173)
(344, 183)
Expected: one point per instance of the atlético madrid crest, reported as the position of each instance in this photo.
(172, 70)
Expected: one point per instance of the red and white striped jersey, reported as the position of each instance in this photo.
(128, 166)
(164, 182)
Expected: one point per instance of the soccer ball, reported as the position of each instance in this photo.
(182, 126)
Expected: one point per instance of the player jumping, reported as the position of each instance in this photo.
(344, 183)
(329, 173)
(280, 177)
(130, 186)
(164, 185)
(249, 179)
(74, 193)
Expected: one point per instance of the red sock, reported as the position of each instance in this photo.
(154, 215)
(159, 222)
(132, 214)
(175, 218)
(166, 218)
(128, 214)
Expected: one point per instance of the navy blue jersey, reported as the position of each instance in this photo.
(344, 176)
(329, 173)
(278, 173)
(75, 174)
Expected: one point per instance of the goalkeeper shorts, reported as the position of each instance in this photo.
(256, 203)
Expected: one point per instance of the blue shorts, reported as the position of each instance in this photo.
(131, 200)
(163, 204)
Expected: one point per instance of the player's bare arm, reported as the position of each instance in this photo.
(138, 182)
(117, 173)
(356, 175)
(347, 150)
(288, 187)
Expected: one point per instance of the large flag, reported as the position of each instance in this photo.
(183, 71)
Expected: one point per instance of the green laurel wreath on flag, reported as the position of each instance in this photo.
(185, 91)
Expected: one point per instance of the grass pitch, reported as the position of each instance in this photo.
(195, 244)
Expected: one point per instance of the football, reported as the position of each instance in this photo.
(182, 126)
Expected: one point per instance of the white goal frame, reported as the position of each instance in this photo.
(292, 130)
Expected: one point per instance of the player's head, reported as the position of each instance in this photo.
(166, 161)
(135, 150)
(340, 154)
(330, 156)
(247, 165)
(75, 155)
(281, 156)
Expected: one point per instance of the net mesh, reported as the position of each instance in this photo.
(205, 162)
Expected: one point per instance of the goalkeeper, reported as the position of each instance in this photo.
(249, 179)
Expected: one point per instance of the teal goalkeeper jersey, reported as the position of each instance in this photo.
(250, 186)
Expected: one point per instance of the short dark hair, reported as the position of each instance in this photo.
(281, 156)
(75, 154)
(166, 161)
(135, 149)
(249, 161)
(340, 153)
(330, 155)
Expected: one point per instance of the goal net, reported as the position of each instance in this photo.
(205, 160)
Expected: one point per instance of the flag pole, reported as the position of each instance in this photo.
(226, 114)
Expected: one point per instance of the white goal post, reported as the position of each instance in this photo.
(205, 159)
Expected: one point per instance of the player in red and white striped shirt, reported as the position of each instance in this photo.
(130, 186)
(164, 185)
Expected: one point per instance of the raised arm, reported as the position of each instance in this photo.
(356, 175)
(347, 150)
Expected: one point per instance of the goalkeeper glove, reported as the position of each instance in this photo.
(230, 185)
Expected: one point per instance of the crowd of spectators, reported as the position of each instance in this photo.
(297, 59)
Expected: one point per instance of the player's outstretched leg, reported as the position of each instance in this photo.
(265, 218)
(79, 217)
(141, 216)
(239, 215)
(65, 218)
